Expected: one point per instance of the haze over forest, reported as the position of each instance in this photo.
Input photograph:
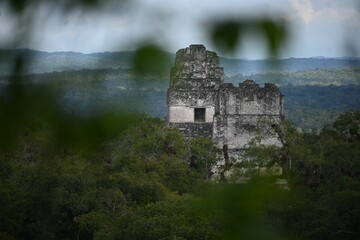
(316, 89)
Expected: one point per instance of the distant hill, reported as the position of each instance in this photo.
(318, 76)
(250, 67)
(45, 62)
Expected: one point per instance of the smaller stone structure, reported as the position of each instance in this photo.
(246, 112)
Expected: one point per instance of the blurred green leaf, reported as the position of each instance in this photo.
(275, 34)
(91, 132)
(239, 209)
(90, 2)
(18, 5)
(150, 59)
(26, 105)
(226, 35)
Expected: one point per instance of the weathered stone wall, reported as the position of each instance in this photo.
(194, 83)
(192, 98)
(194, 130)
(247, 112)
(249, 98)
(196, 68)
(237, 130)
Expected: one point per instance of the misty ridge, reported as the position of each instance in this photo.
(45, 62)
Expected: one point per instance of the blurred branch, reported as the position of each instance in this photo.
(227, 35)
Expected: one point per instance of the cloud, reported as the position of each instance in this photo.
(325, 10)
(303, 9)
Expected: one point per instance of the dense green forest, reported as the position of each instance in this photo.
(139, 183)
(312, 107)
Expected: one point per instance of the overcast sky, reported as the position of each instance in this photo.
(317, 27)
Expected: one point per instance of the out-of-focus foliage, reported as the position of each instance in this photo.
(227, 35)
(150, 59)
(25, 107)
(240, 210)
(19, 6)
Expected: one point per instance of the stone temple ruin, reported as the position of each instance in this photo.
(202, 105)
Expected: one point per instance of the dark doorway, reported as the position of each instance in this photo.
(199, 114)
